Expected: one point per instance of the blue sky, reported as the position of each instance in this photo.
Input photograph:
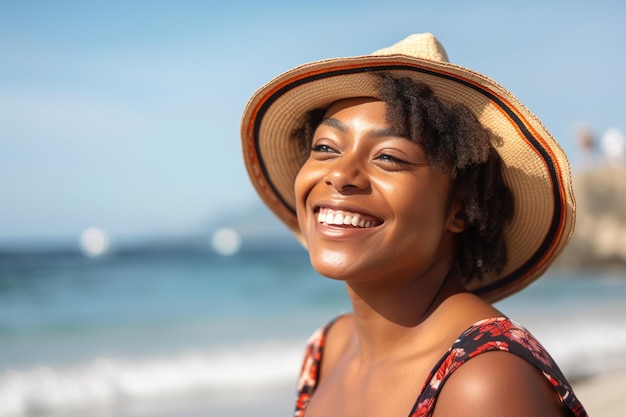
(125, 115)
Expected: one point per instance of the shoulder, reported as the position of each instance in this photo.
(333, 334)
(319, 353)
(498, 383)
(339, 335)
(325, 346)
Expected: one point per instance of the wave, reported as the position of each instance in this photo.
(585, 345)
(107, 382)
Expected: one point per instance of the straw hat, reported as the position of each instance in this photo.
(535, 167)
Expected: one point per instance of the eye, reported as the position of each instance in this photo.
(322, 148)
(390, 159)
(322, 151)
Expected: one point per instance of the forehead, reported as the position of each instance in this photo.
(343, 104)
(363, 113)
(346, 114)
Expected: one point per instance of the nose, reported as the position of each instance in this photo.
(347, 174)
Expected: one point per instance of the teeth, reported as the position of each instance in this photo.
(342, 218)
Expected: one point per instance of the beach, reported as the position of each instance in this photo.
(604, 394)
(181, 334)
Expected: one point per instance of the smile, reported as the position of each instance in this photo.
(345, 218)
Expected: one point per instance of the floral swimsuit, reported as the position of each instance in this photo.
(498, 333)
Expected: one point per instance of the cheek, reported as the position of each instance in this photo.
(303, 184)
(422, 211)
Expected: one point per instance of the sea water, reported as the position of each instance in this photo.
(190, 333)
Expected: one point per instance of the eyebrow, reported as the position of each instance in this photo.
(334, 123)
(377, 133)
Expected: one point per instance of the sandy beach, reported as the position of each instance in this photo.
(603, 395)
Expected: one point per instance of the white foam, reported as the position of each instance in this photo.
(582, 346)
(110, 381)
(585, 346)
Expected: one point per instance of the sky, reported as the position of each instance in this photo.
(125, 115)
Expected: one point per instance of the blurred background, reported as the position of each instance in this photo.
(139, 273)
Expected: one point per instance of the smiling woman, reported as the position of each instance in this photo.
(431, 192)
(353, 168)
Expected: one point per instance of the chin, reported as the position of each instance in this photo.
(331, 264)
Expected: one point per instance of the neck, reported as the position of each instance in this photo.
(386, 317)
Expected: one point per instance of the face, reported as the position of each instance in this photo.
(368, 203)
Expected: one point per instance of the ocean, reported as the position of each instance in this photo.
(185, 333)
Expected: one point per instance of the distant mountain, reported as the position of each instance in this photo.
(258, 228)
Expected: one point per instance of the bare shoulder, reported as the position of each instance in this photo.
(338, 339)
(498, 384)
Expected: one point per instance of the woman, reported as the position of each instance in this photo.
(431, 192)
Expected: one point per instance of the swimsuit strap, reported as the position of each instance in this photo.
(311, 366)
(496, 334)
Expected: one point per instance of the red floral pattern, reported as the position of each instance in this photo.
(497, 333)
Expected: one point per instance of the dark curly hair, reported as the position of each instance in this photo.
(455, 142)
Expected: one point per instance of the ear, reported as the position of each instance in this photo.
(457, 221)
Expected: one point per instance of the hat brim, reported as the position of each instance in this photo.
(535, 167)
